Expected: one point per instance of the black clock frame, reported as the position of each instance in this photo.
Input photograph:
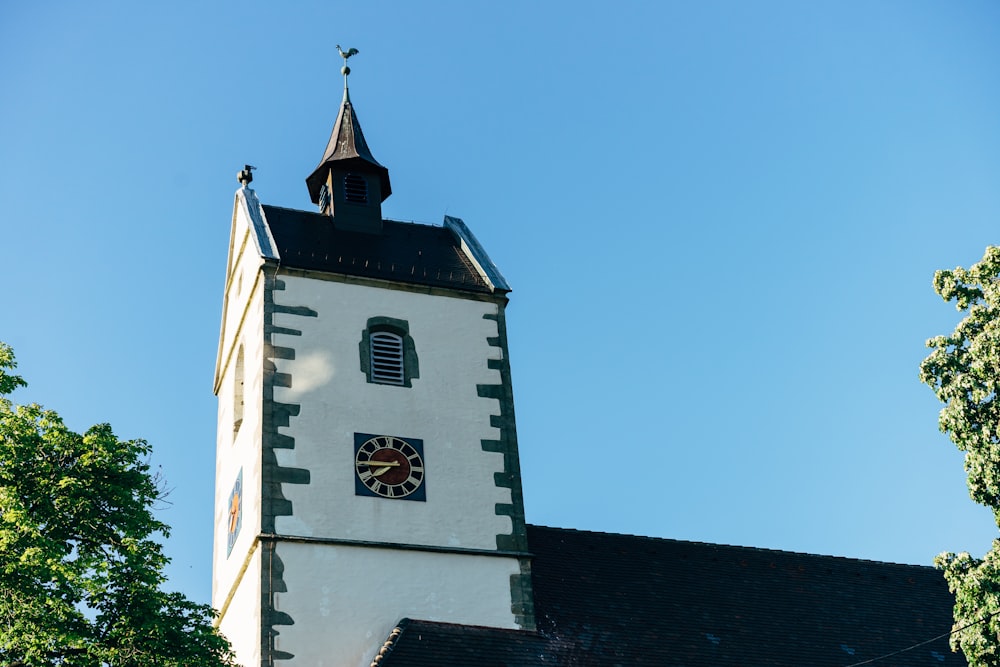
(361, 489)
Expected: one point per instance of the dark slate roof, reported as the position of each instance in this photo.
(605, 600)
(427, 644)
(403, 252)
(347, 147)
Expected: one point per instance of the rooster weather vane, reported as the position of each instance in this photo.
(350, 52)
(345, 70)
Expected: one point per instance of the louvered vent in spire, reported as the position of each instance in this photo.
(355, 189)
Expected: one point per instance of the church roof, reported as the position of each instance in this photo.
(401, 252)
(605, 600)
(348, 148)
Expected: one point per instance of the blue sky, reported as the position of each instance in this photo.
(720, 221)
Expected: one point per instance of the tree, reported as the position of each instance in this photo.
(963, 369)
(80, 568)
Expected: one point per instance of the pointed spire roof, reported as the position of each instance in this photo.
(347, 149)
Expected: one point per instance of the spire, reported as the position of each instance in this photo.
(347, 150)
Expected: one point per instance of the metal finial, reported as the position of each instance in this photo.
(245, 176)
(345, 70)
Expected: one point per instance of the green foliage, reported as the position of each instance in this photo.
(963, 369)
(80, 568)
(976, 585)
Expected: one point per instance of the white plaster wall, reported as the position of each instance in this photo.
(243, 322)
(442, 408)
(241, 624)
(346, 600)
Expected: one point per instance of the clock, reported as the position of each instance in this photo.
(235, 513)
(389, 466)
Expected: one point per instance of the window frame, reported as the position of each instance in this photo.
(400, 329)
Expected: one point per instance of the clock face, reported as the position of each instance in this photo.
(388, 466)
(235, 513)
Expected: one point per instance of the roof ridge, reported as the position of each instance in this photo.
(401, 222)
(419, 622)
(390, 642)
(732, 546)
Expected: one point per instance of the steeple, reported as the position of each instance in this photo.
(367, 449)
(349, 184)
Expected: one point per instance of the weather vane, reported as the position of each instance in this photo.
(245, 176)
(345, 70)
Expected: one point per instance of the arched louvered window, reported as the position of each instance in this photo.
(388, 353)
(387, 357)
(238, 392)
(355, 189)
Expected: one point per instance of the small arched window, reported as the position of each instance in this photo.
(238, 392)
(388, 353)
(387, 357)
(355, 189)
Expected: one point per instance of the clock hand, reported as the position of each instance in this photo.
(384, 464)
(380, 471)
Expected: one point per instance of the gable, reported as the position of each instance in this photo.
(250, 244)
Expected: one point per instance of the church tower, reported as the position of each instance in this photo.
(367, 467)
